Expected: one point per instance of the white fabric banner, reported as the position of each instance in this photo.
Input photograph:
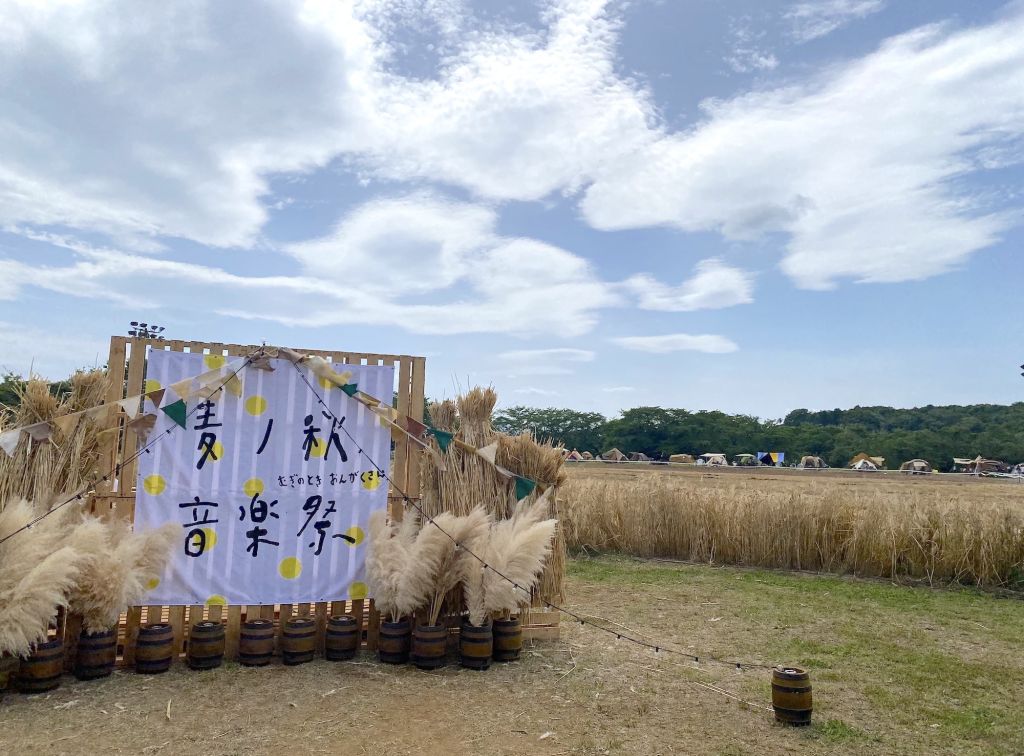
(272, 498)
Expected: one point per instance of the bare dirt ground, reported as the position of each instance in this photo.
(895, 670)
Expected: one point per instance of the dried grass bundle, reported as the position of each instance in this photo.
(37, 572)
(444, 415)
(517, 549)
(119, 564)
(448, 568)
(387, 561)
(475, 408)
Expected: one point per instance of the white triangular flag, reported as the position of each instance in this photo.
(183, 388)
(9, 440)
(489, 452)
(130, 406)
(39, 431)
(66, 424)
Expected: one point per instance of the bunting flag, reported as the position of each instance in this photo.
(183, 388)
(489, 452)
(142, 425)
(291, 355)
(205, 379)
(350, 388)
(9, 440)
(368, 400)
(234, 385)
(524, 487)
(415, 428)
(444, 438)
(100, 413)
(325, 371)
(66, 424)
(130, 406)
(206, 392)
(156, 396)
(262, 363)
(437, 459)
(176, 411)
(39, 431)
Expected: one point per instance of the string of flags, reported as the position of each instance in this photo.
(136, 415)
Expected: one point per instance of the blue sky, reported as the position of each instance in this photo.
(746, 206)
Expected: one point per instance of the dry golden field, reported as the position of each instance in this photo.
(939, 529)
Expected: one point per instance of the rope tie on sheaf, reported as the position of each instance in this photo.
(117, 467)
(658, 648)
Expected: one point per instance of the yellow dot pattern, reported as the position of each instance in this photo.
(356, 533)
(255, 405)
(214, 361)
(358, 591)
(216, 600)
(152, 583)
(154, 485)
(218, 452)
(371, 480)
(290, 568)
(318, 449)
(325, 384)
(211, 538)
(253, 487)
(150, 385)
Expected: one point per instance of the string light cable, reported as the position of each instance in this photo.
(626, 635)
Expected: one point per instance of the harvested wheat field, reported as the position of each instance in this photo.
(895, 670)
(935, 529)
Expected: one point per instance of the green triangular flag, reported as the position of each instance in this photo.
(444, 438)
(350, 388)
(524, 487)
(176, 412)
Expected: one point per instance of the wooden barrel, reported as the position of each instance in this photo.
(508, 639)
(256, 643)
(298, 640)
(206, 645)
(41, 671)
(429, 645)
(791, 696)
(154, 649)
(393, 647)
(342, 640)
(8, 672)
(476, 645)
(96, 655)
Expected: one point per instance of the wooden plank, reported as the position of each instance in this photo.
(372, 627)
(416, 413)
(536, 616)
(231, 632)
(131, 634)
(400, 470)
(216, 613)
(359, 611)
(302, 610)
(109, 447)
(72, 629)
(126, 475)
(176, 616)
(321, 626)
(286, 614)
(541, 633)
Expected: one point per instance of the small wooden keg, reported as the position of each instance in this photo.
(154, 649)
(508, 639)
(791, 696)
(429, 645)
(206, 645)
(97, 653)
(298, 640)
(342, 639)
(393, 647)
(476, 645)
(256, 643)
(8, 672)
(41, 670)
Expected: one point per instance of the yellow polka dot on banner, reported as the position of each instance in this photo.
(290, 568)
(211, 538)
(358, 591)
(154, 485)
(324, 383)
(370, 479)
(356, 534)
(253, 487)
(218, 452)
(152, 583)
(216, 600)
(318, 449)
(255, 405)
(214, 361)
(150, 385)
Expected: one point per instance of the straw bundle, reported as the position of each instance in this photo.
(45, 470)
(119, 563)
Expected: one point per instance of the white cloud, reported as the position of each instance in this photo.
(714, 285)
(678, 342)
(618, 389)
(534, 391)
(565, 354)
(366, 271)
(747, 53)
(48, 353)
(855, 166)
(811, 20)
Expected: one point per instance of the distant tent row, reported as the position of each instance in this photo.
(812, 463)
(916, 467)
(979, 466)
(682, 459)
(864, 462)
(771, 458)
(715, 459)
